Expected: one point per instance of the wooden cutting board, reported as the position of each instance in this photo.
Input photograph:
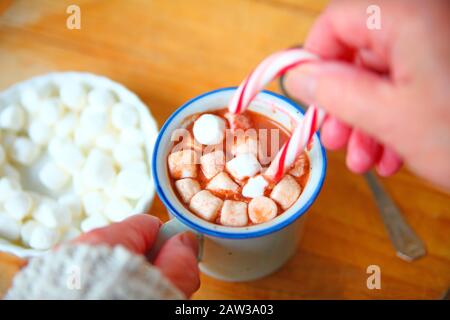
(170, 51)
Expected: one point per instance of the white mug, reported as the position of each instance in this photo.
(238, 253)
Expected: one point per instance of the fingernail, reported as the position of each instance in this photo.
(189, 239)
(301, 84)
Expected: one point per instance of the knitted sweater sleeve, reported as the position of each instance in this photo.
(91, 272)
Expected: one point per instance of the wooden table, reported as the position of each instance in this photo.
(170, 51)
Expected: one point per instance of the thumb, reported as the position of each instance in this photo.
(354, 95)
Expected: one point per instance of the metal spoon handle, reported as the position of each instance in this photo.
(407, 244)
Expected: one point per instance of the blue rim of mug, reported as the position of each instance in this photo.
(224, 234)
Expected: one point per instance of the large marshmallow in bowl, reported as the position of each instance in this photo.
(243, 166)
(69, 157)
(94, 203)
(73, 203)
(212, 163)
(234, 214)
(94, 119)
(209, 129)
(187, 188)
(223, 184)
(12, 118)
(93, 222)
(26, 230)
(183, 164)
(255, 187)
(73, 95)
(98, 171)
(206, 205)
(262, 209)
(286, 192)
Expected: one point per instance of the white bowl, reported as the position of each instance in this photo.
(147, 123)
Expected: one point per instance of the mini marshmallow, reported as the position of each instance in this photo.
(98, 171)
(286, 192)
(262, 209)
(206, 205)
(50, 111)
(223, 184)
(124, 116)
(26, 230)
(118, 209)
(73, 95)
(66, 125)
(132, 136)
(43, 238)
(234, 214)
(212, 163)
(24, 151)
(183, 164)
(69, 157)
(94, 203)
(30, 99)
(299, 166)
(94, 119)
(127, 153)
(9, 227)
(83, 137)
(39, 132)
(209, 129)
(70, 234)
(55, 145)
(93, 222)
(50, 214)
(243, 166)
(53, 177)
(132, 183)
(99, 97)
(72, 202)
(8, 187)
(12, 118)
(187, 188)
(18, 205)
(2, 156)
(255, 187)
(106, 141)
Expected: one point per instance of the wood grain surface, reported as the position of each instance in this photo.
(170, 51)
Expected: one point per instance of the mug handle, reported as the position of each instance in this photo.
(167, 231)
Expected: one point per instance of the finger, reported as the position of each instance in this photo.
(389, 162)
(177, 260)
(334, 133)
(356, 96)
(342, 29)
(137, 234)
(363, 152)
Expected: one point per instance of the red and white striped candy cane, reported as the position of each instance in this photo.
(295, 145)
(272, 67)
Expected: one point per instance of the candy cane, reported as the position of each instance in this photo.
(271, 67)
(295, 145)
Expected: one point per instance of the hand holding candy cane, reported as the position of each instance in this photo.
(273, 66)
